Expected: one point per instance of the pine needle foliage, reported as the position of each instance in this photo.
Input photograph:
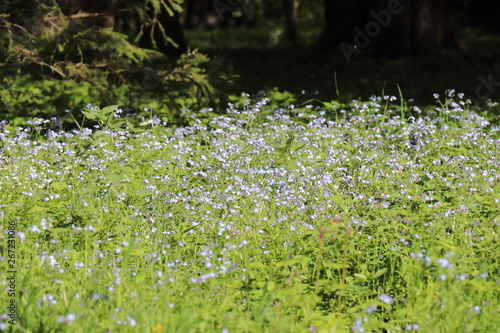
(59, 55)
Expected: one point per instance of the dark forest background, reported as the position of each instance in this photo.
(59, 56)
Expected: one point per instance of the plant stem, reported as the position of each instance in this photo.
(344, 264)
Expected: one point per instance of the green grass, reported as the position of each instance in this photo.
(333, 219)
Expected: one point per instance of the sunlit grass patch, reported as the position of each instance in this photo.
(336, 218)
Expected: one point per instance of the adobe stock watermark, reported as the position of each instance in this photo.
(485, 88)
(221, 7)
(11, 284)
(373, 28)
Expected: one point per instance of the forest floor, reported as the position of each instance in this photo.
(263, 62)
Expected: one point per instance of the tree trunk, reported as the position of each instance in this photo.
(203, 13)
(291, 8)
(433, 26)
(415, 26)
(396, 37)
(341, 16)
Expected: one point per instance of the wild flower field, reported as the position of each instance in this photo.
(363, 218)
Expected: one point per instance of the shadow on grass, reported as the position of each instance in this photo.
(261, 66)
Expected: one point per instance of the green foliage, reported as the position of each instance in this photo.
(23, 95)
(274, 98)
(265, 219)
(104, 117)
(54, 61)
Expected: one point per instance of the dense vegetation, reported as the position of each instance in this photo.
(142, 191)
(58, 59)
(362, 217)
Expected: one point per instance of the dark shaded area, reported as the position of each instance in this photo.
(417, 76)
(154, 38)
(485, 14)
(461, 52)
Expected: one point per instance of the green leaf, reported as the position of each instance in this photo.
(301, 146)
(56, 231)
(109, 109)
(379, 273)
(129, 124)
(90, 114)
(289, 262)
(257, 265)
(58, 186)
(361, 277)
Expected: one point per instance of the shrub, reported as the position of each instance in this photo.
(55, 61)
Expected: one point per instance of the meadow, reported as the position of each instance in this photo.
(371, 216)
